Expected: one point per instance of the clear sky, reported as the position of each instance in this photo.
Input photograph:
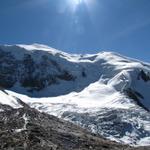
(79, 26)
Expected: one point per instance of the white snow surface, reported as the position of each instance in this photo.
(96, 102)
(96, 95)
(7, 99)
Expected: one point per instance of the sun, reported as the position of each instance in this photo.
(77, 2)
(75, 5)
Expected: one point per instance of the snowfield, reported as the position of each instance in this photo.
(9, 100)
(108, 93)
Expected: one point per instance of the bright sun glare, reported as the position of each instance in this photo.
(76, 3)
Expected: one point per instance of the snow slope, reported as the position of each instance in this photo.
(8, 100)
(106, 93)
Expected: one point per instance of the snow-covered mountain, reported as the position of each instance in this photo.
(105, 93)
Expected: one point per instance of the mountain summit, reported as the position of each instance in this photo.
(106, 93)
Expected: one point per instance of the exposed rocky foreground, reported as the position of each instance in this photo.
(27, 129)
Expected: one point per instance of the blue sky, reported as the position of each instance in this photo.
(79, 26)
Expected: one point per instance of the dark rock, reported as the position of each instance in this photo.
(30, 74)
(144, 76)
(136, 97)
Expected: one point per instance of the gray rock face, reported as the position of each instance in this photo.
(8, 67)
(30, 74)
